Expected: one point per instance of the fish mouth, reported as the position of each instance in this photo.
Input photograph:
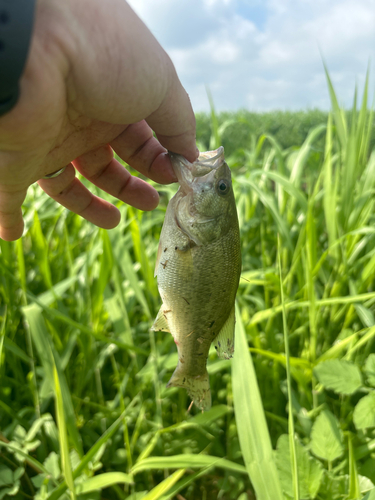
(189, 173)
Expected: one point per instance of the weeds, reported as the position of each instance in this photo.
(84, 410)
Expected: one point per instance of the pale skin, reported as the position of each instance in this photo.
(96, 82)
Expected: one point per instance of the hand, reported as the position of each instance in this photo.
(96, 81)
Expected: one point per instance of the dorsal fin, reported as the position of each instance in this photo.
(224, 341)
(160, 324)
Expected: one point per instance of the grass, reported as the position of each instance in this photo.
(84, 411)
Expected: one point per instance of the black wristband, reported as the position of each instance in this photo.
(16, 23)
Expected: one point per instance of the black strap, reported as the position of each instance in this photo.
(16, 23)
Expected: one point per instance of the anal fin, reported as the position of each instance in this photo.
(224, 341)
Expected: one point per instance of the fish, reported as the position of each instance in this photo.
(198, 269)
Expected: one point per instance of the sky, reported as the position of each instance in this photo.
(263, 55)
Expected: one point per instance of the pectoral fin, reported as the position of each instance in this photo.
(160, 324)
(224, 341)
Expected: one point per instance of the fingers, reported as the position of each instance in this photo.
(139, 148)
(11, 222)
(100, 168)
(67, 190)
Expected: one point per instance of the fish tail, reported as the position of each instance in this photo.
(197, 387)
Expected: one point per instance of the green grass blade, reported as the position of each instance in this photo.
(63, 436)
(292, 442)
(251, 422)
(41, 251)
(215, 139)
(183, 483)
(49, 358)
(28, 458)
(300, 161)
(106, 265)
(101, 481)
(164, 486)
(187, 460)
(354, 489)
(269, 202)
(286, 184)
(57, 492)
(339, 119)
(2, 336)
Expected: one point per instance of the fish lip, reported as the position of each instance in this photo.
(188, 173)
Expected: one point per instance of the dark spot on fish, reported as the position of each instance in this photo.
(228, 342)
(211, 324)
(216, 347)
(175, 248)
(199, 353)
(164, 264)
(184, 380)
(218, 343)
(165, 249)
(202, 190)
(188, 303)
(181, 360)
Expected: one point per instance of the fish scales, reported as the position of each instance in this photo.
(198, 269)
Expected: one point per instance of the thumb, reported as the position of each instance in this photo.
(11, 222)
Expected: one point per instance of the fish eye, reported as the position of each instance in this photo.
(223, 186)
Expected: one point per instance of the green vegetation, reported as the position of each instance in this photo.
(84, 412)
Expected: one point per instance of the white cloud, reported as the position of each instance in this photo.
(264, 55)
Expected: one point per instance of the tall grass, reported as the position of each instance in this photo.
(84, 411)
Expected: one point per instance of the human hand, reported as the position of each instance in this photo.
(96, 81)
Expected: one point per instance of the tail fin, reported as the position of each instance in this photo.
(197, 387)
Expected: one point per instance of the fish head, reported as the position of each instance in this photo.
(206, 206)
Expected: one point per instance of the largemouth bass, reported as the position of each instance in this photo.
(198, 269)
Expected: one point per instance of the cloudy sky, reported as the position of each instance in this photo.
(265, 54)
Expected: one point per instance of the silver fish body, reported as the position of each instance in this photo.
(198, 269)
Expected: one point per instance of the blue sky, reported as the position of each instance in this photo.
(265, 54)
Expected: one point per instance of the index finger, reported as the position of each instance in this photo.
(174, 121)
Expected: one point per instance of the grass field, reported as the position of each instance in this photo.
(84, 411)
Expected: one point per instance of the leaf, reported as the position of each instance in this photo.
(183, 483)
(364, 412)
(6, 475)
(326, 437)
(103, 481)
(184, 461)
(310, 471)
(365, 484)
(164, 486)
(370, 495)
(342, 377)
(251, 422)
(57, 492)
(51, 463)
(50, 359)
(370, 369)
(63, 435)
